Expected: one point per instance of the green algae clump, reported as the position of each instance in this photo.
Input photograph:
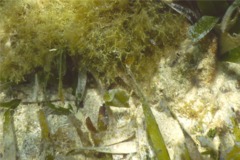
(100, 36)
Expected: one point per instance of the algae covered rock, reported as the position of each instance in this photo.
(101, 36)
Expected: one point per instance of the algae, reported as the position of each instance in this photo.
(100, 36)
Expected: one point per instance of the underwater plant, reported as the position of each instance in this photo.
(100, 36)
(60, 41)
(63, 40)
(219, 16)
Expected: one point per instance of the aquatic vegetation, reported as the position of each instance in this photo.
(232, 55)
(11, 105)
(99, 36)
(46, 141)
(202, 27)
(9, 135)
(155, 137)
(61, 41)
(53, 38)
(233, 152)
(116, 97)
(223, 18)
